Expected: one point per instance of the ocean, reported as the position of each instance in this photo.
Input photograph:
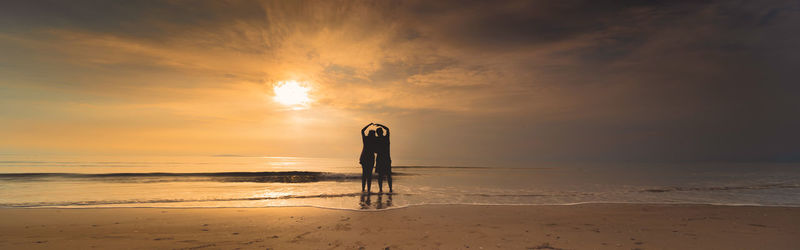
(30, 181)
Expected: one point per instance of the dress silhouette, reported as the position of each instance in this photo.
(383, 162)
(367, 158)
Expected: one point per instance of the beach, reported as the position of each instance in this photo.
(511, 124)
(583, 226)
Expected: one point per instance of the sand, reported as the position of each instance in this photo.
(589, 226)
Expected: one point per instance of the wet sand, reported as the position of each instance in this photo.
(589, 226)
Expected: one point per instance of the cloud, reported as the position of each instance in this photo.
(566, 80)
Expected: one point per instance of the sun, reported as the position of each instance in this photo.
(292, 94)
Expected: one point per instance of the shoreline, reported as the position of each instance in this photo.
(416, 205)
(583, 226)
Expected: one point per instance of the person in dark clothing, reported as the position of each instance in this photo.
(383, 162)
(367, 158)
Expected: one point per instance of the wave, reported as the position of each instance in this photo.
(122, 202)
(723, 188)
(464, 167)
(280, 177)
(439, 167)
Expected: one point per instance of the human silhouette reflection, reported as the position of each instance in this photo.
(365, 201)
(382, 205)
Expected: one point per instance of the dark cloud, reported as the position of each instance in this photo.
(127, 17)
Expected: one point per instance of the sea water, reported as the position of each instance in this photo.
(33, 181)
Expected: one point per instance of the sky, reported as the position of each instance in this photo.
(494, 81)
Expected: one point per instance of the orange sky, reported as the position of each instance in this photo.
(504, 81)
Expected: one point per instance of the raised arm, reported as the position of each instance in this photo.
(384, 127)
(365, 129)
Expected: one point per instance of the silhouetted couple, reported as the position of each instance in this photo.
(375, 143)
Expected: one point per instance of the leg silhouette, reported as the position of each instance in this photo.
(363, 180)
(389, 180)
(380, 183)
(369, 181)
(364, 177)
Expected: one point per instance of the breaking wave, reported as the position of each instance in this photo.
(122, 202)
(263, 177)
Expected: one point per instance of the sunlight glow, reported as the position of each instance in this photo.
(292, 94)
